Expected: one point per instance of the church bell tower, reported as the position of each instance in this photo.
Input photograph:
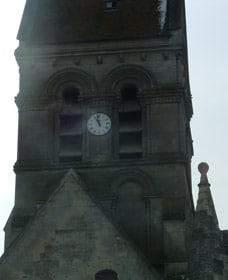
(104, 94)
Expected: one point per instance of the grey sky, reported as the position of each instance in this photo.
(207, 24)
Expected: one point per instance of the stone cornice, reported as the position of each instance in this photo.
(158, 96)
(152, 159)
(126, 47)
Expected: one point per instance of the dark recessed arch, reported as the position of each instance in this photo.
(71, 94)
(129, 92)
(106, 274)
(129, 75)
(67, 79)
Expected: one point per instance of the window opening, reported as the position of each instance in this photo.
(110, 5)
(70, 95)
(130, 124)
(130, 134)
(129, 93)
(106, 275)
(70, 138)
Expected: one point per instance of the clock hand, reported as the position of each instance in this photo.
(98, 121)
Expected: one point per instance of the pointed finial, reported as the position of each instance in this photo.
(203, 169)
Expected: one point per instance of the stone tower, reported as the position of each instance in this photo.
(103, 176)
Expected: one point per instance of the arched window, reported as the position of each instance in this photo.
(66, 88)
(106, 275)
(130, 123)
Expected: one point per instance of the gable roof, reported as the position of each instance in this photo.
(70, 235)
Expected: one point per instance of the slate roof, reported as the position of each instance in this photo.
(59, 21)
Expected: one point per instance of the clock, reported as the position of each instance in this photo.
(99, 124)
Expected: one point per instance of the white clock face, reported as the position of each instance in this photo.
(99, 124)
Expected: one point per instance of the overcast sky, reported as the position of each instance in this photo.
(207, 25)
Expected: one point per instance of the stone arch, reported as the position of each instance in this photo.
(131, 187)
(129, 74)
(80, 80)
(131, 175)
